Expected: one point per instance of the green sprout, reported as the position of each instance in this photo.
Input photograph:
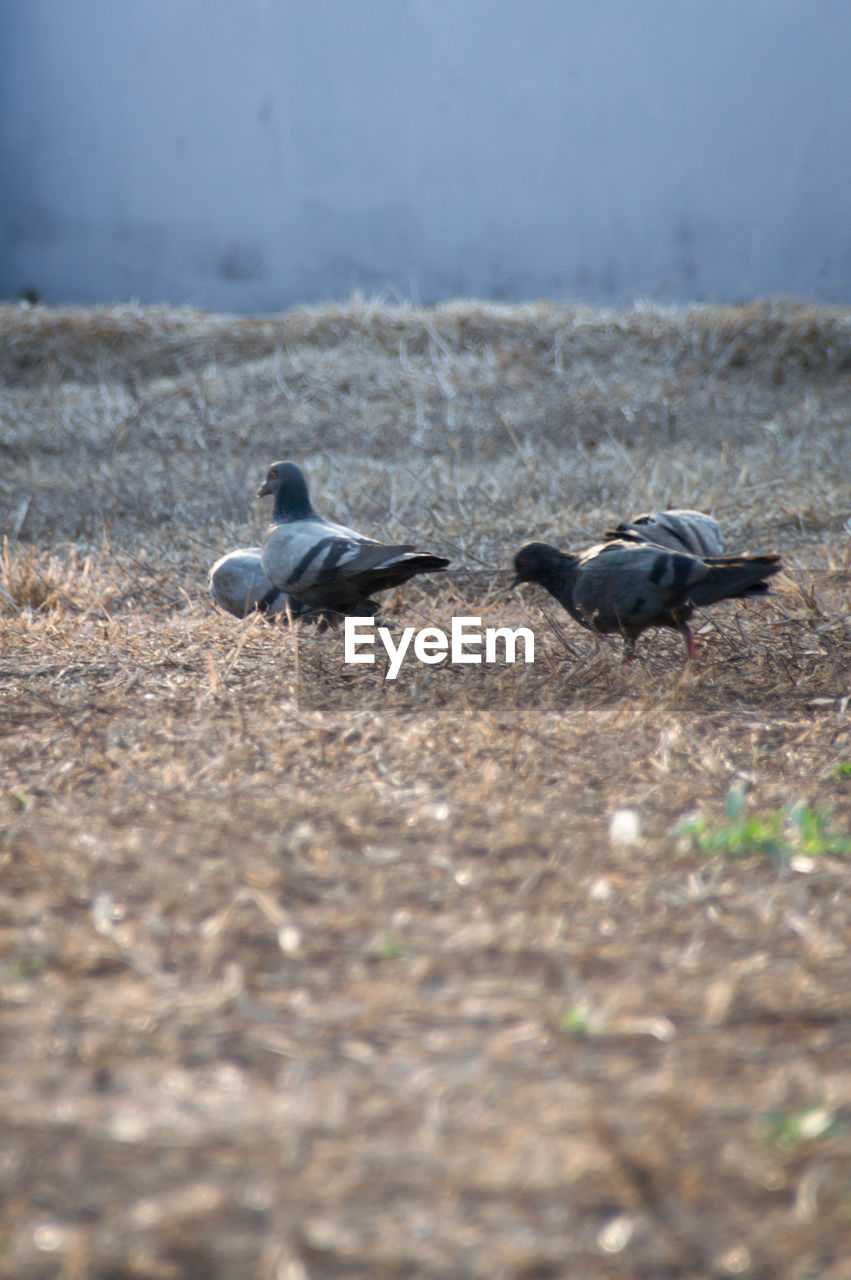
(788, 1129)
(577, 1020)
(794, 830)
(389, 949)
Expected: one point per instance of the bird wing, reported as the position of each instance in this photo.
(622, 584)
(395, 566)
(304, 554)
(695, 531)
(679, 529)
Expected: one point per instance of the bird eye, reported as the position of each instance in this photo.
(273, 475)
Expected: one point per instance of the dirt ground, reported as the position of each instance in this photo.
(525, 972)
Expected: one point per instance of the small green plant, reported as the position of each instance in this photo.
(389, 949)
(20, 970)
(577, 1020)
(813, 832)
(794, 830)
(740, 836)
(842, 770)
(788, 1129)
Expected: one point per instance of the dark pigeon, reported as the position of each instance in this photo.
(678, 529)
(239, 585)
(628, 587)
(325, 565)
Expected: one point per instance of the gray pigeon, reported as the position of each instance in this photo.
(238, 584)
(326, 565)
(630, 586)
(678, 529)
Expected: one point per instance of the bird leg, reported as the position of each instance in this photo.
(689, 639)
(326, 621)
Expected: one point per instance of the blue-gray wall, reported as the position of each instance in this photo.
(249, 154)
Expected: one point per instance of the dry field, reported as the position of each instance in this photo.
(301, 982)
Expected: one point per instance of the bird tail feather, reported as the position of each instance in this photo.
(731, 577)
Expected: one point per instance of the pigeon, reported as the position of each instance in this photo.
(679, 529)
(629, 587)
(238, 584)
(325, 565)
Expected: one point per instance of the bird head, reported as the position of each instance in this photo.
(286, 483)
(534, 561)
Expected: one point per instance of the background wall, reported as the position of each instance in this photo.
(250, 154)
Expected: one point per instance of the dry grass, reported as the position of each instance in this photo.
(299, 981)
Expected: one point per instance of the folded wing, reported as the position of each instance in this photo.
(678, 529)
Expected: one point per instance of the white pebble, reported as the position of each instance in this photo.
(624, 827)
(48, 1237)
(289, 939)
(615, 1235)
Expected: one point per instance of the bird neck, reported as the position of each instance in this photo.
(293, 506)
(558, 574)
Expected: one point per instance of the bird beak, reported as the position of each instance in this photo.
(516, 583)
(263, 490)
